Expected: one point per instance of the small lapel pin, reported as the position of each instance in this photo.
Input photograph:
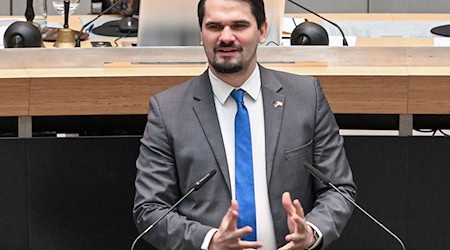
(278, 104)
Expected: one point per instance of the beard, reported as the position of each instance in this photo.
(226, 65)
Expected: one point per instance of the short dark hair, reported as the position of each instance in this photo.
(257, 7)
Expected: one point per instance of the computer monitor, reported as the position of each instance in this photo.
(168, 23)
(175, 23)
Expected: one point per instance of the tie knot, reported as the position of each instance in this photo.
(238, 95)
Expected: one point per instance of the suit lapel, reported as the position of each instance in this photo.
(205, 110)
(273, 115)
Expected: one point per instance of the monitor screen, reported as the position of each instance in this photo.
(168, 23)
(175, 23)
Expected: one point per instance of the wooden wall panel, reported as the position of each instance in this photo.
(96, 95)
(429, 95)
(366, 94)
(14, 96)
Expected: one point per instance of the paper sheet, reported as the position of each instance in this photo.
(441, 41)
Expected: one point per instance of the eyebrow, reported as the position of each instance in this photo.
(241, 22)
(233, 22)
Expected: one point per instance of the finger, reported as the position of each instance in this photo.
(299, 208)
(234, 215)
(299, 222)
(298, 228)
(230, 218)
(234, 205)
(287, 203)
(235, 239)
(241, 232)
(295, 237)
(288, 246)
(250, 244)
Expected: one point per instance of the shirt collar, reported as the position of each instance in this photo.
(222, 90)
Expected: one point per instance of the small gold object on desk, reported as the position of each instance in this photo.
(66, 36)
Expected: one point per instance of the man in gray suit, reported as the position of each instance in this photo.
(191, 131)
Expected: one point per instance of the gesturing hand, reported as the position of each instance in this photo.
(228, 236)
(300, 234)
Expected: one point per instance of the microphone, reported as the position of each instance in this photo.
(78, 40)
(321, 177)
(344, 40)
(22, 34)
(199, 184)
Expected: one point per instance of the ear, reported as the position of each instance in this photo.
(201, 38)
(263, 32)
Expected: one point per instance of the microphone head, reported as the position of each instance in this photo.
(309, 33)
(22, 34)
(199, 184)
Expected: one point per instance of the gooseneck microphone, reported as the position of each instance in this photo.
(344, 40)
(321, 177)
(78, 40)
(199, 184)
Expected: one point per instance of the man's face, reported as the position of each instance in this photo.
(230, 36)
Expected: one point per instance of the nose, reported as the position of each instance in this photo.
(227, 35)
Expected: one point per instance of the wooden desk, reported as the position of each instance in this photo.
(125, 91)
(398, 80)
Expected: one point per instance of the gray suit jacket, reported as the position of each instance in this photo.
(183, 141)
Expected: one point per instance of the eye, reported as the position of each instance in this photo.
(214, 26)
(240, 25)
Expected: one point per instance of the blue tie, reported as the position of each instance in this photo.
(245, 192)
